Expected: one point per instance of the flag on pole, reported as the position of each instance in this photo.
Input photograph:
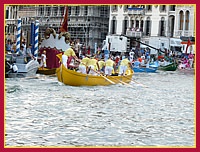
(188, 44)
(65, 23)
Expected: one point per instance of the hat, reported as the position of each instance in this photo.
(21, 46)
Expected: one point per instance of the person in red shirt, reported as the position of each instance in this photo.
(88, 50)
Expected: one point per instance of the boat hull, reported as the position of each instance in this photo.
(73, 78)
(24, 70)
(46, 71)
(170, 67)
(144, 69)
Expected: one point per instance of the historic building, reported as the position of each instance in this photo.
(144, 22)
(88, 24)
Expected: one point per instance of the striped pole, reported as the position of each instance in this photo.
(36, 37)
(19, 22)
(32, 36)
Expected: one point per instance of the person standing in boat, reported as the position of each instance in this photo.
(131, 55)
(125, 63)
(109, 66)
(68, 55)
(147, 59)
(43, 60)
(29, 55)
(191, 59)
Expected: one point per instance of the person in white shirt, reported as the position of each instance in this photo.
(43, 60)
(131, 56)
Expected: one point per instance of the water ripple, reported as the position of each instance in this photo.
(44, 112)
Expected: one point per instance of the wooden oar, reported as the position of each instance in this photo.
(122, 82)
(137, 82)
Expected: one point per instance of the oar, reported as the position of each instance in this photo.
(136, 82)
(124, 83)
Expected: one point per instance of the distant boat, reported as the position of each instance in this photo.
(46, 71)
(23, 69)
(151, 69)
(170, 67)
(144, 69)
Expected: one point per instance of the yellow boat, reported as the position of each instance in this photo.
(46, 71)
(73, 78)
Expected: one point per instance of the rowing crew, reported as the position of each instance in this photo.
(91, 65)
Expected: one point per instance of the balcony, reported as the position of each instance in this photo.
(136, 34)
(184, 33)
(136, 11)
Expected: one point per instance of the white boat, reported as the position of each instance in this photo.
(20, 69)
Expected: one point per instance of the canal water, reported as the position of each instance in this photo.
(159, 110)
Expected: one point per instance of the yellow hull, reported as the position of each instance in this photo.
(73, 78)
(46, 71)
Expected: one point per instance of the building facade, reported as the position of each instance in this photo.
(87, 24)
(90, 24)
(142, 22)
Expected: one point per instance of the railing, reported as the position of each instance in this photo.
(134, 34)
(184, 33)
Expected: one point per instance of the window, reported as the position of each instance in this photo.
(162, 8)
(149, 8)
(86, 10)
(55, 11)
(187, 19)
(113, 25)
(77, 10)
(181, 17)
(162, 27)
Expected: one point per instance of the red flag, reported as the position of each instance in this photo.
(65, 23)
(188, 44)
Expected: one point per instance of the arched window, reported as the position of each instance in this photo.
(141, 24)
(162, 27)
(125, 25)
(148, 27)
(181, 18)
(113, 25)
(132, 23)
(137, 23)
(187, 19)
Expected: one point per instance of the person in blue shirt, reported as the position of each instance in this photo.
(106, 54)
(9, 46)
(137, 64)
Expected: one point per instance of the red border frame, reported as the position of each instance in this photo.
(2, 149)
